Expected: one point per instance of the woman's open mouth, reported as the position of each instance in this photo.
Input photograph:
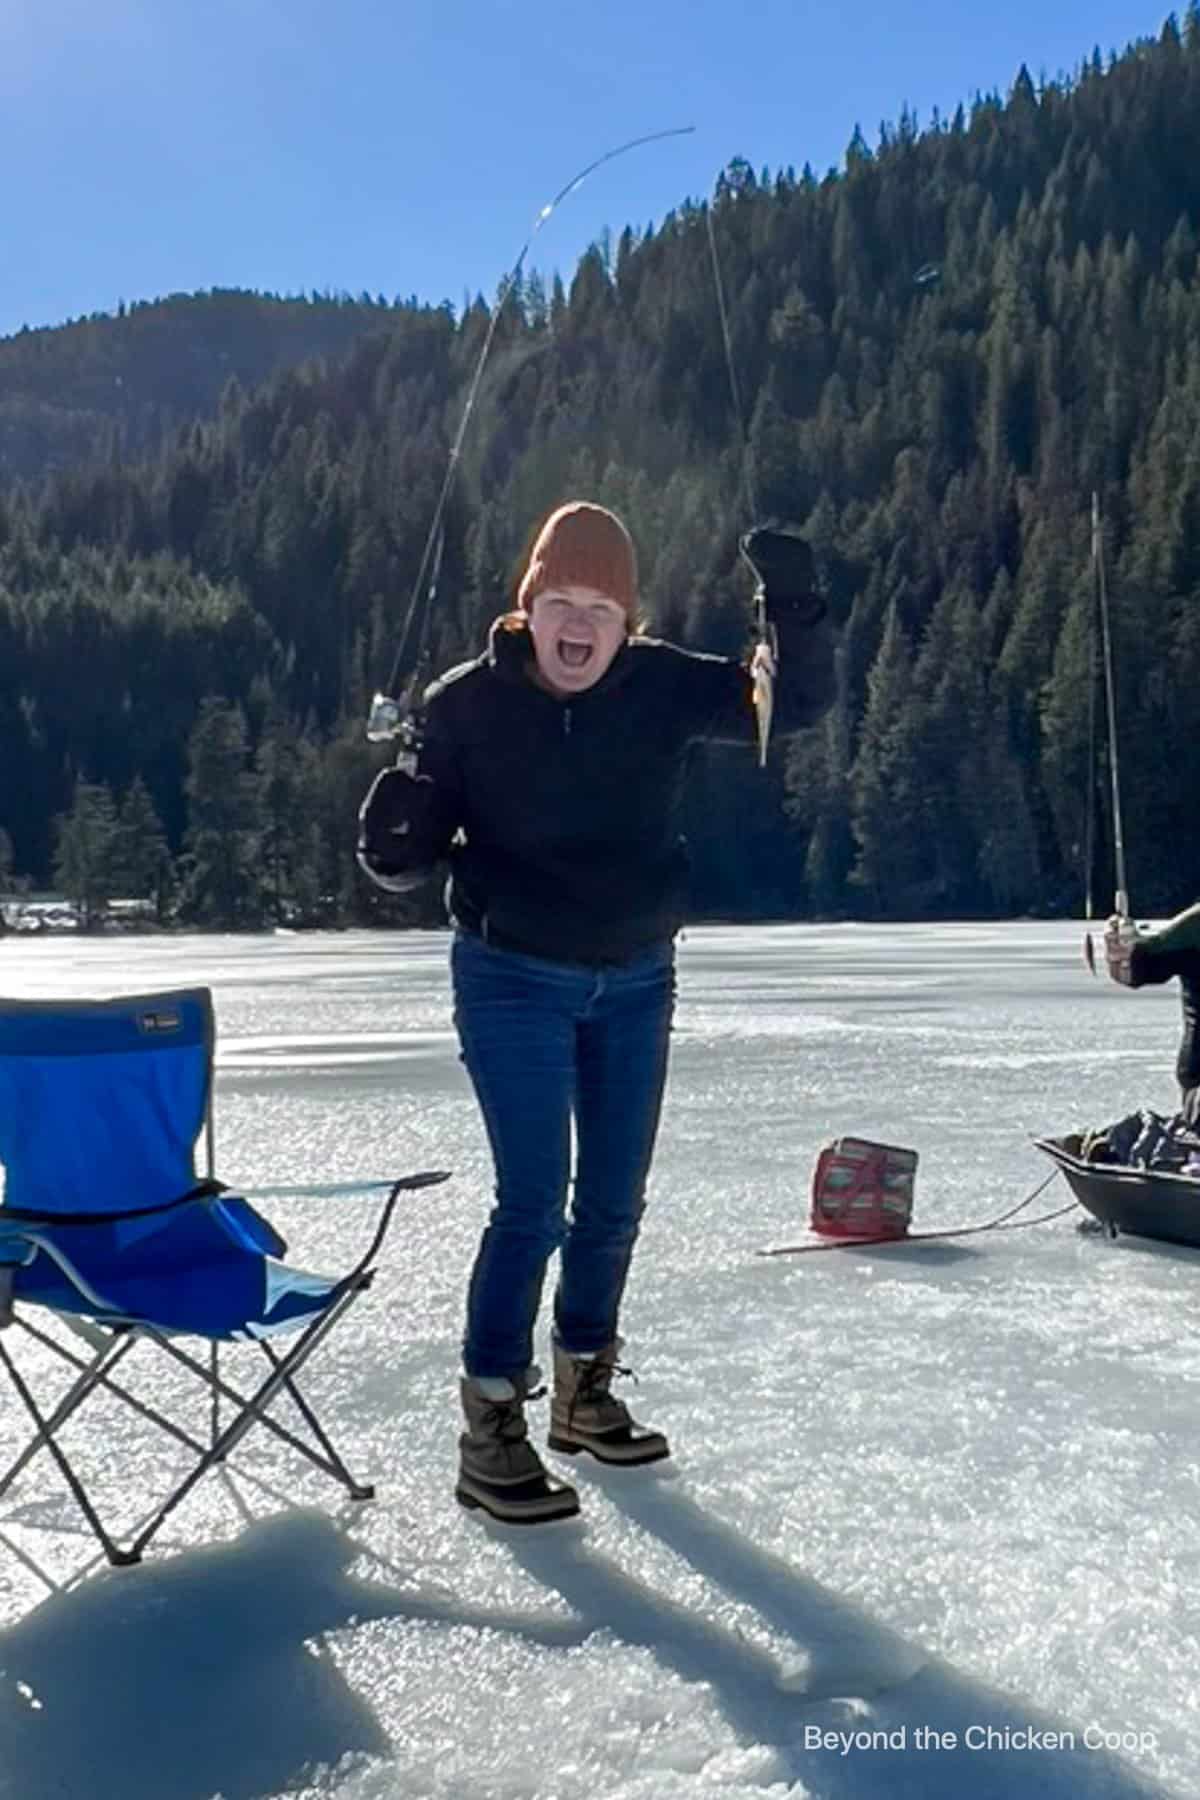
(573, 655)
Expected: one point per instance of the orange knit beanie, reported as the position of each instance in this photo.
(582, 545)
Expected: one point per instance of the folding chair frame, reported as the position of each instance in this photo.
(110, 1344)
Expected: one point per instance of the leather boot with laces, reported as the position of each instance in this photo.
(584, 1415)
(499, 1469)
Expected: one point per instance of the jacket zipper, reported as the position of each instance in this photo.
(566, 718)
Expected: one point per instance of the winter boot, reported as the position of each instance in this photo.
(584, 1415)
(499, 1470)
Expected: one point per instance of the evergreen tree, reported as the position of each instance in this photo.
(223, 882)
(893, 856)
(140, 858)
(85, 847)
(286, 772)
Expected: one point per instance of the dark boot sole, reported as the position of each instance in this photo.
(543, 1509)
(616, 1456)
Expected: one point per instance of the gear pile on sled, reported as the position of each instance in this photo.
(1140, 1175)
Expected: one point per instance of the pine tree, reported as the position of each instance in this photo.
(140, 858)
(286, 775)
(893, 856)
(85, 845)
(223, 885)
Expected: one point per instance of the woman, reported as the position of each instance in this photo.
(550, 774)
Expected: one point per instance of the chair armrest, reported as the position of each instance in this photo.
(405, 1184)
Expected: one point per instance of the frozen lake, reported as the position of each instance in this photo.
(932, 1525)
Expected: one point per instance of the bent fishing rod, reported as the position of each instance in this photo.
(392, 716)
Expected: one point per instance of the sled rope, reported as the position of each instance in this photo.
(1005, 1221)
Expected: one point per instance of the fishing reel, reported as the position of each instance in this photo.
(385, 719)
(393, 721)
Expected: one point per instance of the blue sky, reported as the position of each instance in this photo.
(406, 146)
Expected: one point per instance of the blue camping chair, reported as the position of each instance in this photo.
(106, 1227)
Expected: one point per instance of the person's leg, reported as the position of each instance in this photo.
(515, 1022)
(623, 1043)
(515, 1025)
(622, 1062)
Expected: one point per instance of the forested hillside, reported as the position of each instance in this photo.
(941, 353)
(119, 386)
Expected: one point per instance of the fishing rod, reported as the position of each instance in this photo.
(764, 664)
(1089, 832)
(1100, 585)
(1110, 693)
(392, 716)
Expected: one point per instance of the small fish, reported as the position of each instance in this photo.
(762, 669)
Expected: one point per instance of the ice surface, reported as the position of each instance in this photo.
(931, 1489)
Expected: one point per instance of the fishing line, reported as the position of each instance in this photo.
(385, 717)
(738, 410)
(764, 678)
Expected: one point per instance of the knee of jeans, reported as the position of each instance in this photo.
(543, 1231)
(615, 1231)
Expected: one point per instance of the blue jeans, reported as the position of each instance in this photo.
(548, 1044)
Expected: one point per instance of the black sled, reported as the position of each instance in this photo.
(1151, 1203)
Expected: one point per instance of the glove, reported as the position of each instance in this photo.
(393, 826)
(783, 566)
(1120, 941)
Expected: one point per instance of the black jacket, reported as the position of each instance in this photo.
(560, 816)
(1158, 956)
